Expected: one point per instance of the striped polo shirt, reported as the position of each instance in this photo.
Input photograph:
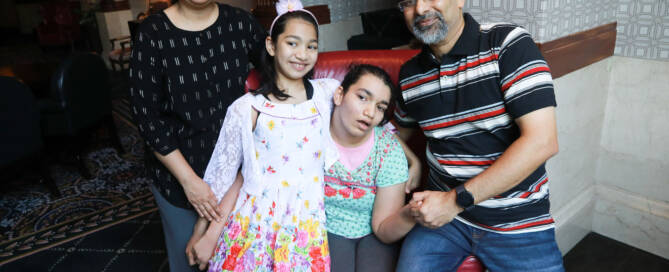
(466, 102)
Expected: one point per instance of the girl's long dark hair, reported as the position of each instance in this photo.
(267, 69)
(356, 71)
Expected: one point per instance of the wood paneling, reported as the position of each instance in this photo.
(570, 53)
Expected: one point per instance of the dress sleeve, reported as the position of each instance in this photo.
(331, 85)
(394, 168)
(147, 95)
(227, 156)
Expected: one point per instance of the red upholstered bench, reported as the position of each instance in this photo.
(471, 264)
(335, 65)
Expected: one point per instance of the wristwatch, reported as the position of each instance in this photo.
(464, 198)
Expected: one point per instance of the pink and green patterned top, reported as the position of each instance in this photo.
(349, 195)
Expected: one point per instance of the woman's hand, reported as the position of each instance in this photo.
(197, 191)
(202, 198)
(204, 250)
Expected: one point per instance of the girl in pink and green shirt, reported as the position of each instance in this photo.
(365, 188)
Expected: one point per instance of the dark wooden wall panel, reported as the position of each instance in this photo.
(570, 53)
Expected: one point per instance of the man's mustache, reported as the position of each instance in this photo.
(428, 16)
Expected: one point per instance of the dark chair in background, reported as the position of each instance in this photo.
(20, 137)
(382, 29)
(120, 56)
(79, 101)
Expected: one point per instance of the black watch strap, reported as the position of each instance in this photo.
(464, 198)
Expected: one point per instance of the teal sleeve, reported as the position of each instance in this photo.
(394, 168)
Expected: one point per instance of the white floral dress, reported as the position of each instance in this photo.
(282, 227)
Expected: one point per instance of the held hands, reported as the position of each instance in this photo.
(202, 198)
(434, 209)
(203, 250)
(198, 232)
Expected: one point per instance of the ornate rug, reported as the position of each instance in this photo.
(31, 219)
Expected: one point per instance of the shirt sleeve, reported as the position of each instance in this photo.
(526, 82)
(227, 156)
(147, 96)
(394, 168)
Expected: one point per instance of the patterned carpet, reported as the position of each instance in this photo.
(134, 245)
(32, 220)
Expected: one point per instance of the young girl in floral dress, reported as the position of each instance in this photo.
(279, 135)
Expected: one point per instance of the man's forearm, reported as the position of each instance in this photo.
(534, 147)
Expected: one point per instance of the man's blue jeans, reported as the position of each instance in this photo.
(443, 249)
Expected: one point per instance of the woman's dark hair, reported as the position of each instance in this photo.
(356, 71)
(267, 69)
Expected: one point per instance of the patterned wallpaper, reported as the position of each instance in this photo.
(643, 25)
(643, 29)
(546, 20)
(525, 13)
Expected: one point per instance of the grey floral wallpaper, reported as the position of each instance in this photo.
(643, 29)
(643, 25)
(545, 19)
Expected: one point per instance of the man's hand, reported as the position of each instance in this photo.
(434, 209)
(202, 198)
(204, 250)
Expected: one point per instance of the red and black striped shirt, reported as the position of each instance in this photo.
(466, 103)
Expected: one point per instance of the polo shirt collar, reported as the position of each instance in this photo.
(467, 44)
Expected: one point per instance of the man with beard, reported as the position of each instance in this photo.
(483, 97)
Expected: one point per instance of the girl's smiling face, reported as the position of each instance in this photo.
(295, 51)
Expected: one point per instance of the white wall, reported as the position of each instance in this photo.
(633, 168)
(581, 99)
(611, 175)
(333, 36)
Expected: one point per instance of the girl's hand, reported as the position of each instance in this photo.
(202, 198)
(204, 250)
(198, 231)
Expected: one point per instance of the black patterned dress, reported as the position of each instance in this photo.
(181, 84)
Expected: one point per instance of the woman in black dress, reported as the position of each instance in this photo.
(189, 63)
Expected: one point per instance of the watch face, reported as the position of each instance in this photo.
(464, 198)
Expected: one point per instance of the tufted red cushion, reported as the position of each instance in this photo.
(335, 65)
(471, 264)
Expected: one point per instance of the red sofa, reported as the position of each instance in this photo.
(335, 65)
